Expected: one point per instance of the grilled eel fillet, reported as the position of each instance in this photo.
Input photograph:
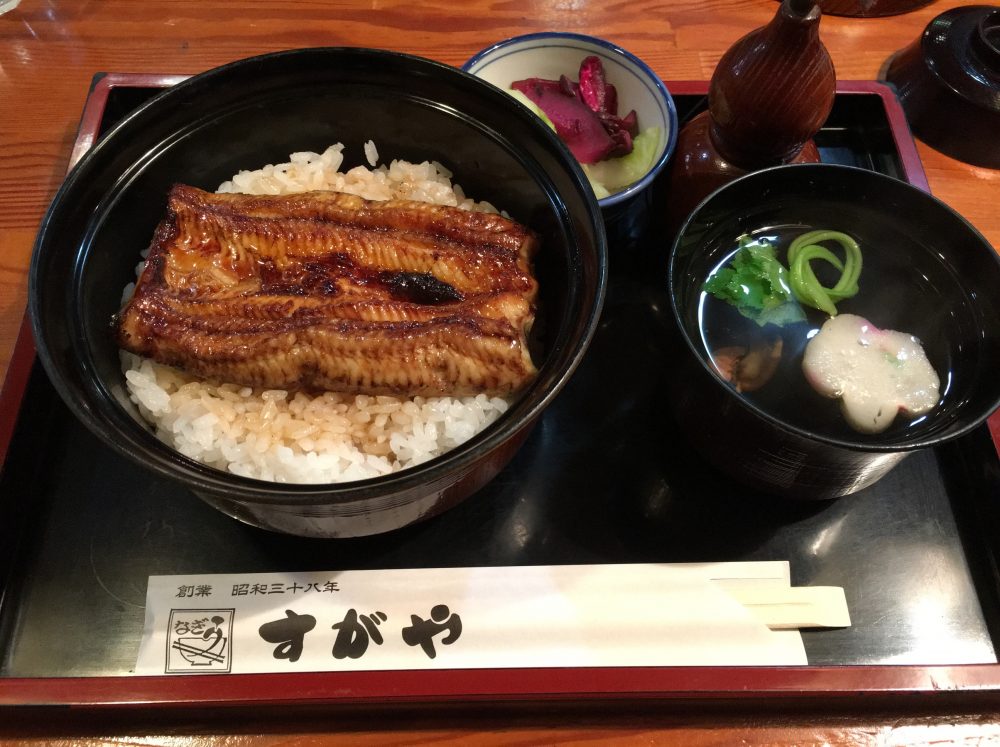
(328, 291)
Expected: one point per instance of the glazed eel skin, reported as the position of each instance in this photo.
(329, 291)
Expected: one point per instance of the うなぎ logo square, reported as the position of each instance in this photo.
(199, 641)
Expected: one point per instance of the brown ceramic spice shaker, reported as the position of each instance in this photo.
(769, 95)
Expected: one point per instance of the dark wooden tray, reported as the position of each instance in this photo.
(603, 479)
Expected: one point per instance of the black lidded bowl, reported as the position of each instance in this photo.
(926, 271)
(258, 111)
(948, 81)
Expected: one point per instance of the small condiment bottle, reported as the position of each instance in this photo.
(769, 95)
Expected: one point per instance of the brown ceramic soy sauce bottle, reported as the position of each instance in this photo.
(769, 95)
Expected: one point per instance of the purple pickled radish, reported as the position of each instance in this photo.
(613, 124)
(528, 84)
(576, 124)
(630, 122)
(602, 98)
(593, 86)
(622, 143)
(568, 87)
(611, 99)
(585, 113)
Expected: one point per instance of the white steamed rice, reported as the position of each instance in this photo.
(312, 438)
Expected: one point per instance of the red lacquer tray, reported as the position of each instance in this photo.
(941, 505)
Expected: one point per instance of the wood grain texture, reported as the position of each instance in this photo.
(50, 49)
(772, 91)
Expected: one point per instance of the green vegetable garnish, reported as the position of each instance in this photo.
(806, 286)
(617, 173)
(756, 283)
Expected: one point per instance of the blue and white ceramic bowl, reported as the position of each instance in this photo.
(551, 54)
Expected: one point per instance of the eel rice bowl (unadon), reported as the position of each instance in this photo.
(308, 437)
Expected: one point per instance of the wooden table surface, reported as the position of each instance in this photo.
(50, 49)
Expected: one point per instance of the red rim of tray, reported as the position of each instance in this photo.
(827, 684)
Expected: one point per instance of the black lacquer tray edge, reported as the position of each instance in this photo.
(952, 686)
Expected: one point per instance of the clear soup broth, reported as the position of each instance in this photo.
(894, 294)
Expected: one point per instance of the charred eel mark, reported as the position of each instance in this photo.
(420, 287)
